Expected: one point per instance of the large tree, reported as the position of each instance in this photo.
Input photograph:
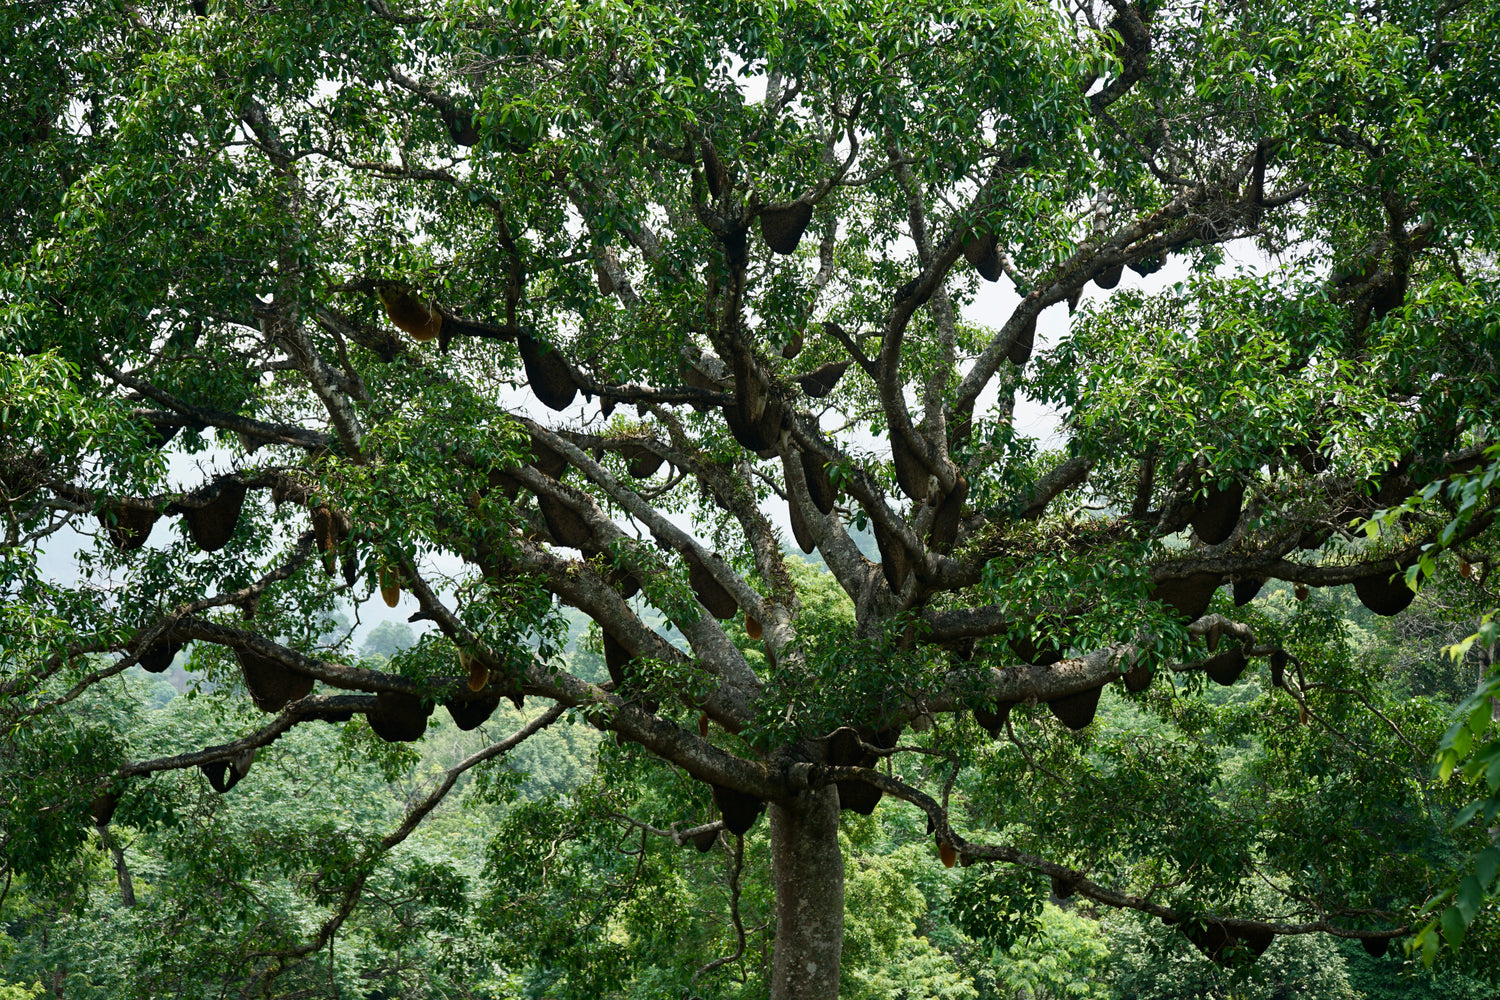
(496, 310)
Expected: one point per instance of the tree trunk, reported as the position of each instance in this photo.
(809, 871)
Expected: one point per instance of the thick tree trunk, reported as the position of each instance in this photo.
(809, 872)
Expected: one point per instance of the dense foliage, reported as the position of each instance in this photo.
(559, 327)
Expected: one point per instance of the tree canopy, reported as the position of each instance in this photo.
(530, 318)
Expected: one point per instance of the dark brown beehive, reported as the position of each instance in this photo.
(859, 796)
(127, 526)
(398, 717)
(1279, 660)
(471, 713)
(993, 722)
(710, 593)
(1110, 276)
(800, 530)
(739, 809)
(616, 659)
(1148, 265)
(1246, 588)
(1138, 678)
(640, 461)
(947, 854)
(212, 523)
(102, 808)
(713, 168)
(819, 485)
(698, 380)
(159, 656)
(911, 474)
(821, 380)
(753, 628)
(1224, 668)
(1215, 516)
(793, 347)
(983, 254)
(893, 561)
(751, 418)
(1385, 592)
(1039, 649)
(1076, 710)
(945, 522)
(565, 524)
(782, 226)
(1189, 596)
(1063, 888)
(270, 682)
(547, 373)
(1223, 946)
(1023, 345)
(704, 840)
(844, 748)
(1375, 947)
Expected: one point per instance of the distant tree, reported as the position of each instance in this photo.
(388, 638)
(531, 288)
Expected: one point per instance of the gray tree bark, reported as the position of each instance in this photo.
(808, 869)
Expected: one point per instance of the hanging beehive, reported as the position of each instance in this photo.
(1375, 947)
(993, 722)
(271, 683)
(1225, 668)
(471, 713)
(949, 515)
(1223, 946)
(1138, 677)
(704, 840)
(127, 526)
(893, 561)
(1023, 345)
(617, 660)
(911, 474)
(409, 313)
(565, 524)
(821, 380)
(947, 854)
(1076, 710)
(710, 593)
(819, 485)
(398, 717)
(213, 521)
(1246, 588)
(753, 628)
(1189, 596)
(1148, 265)
(793, 346)
(1063, 887)
(782, 226)
(159, 656)
(1110, 276)
(1385, 592)
(1039, 648)
(800, 529)
(102, 808)
(739, 809)
(640, 461)
(983, 254)
(1217, 513)
(547, 373)
(475, 671)
(390, 586)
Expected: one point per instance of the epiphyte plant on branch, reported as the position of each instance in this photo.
(355, 245)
